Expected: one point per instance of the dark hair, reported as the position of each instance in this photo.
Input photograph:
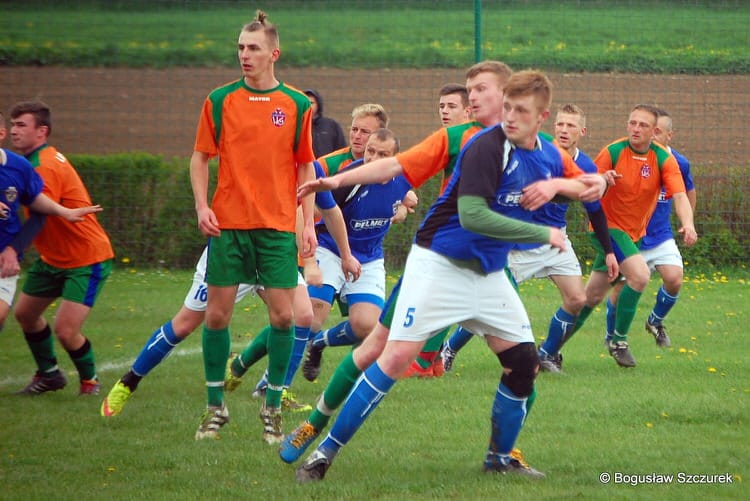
(456, 88)
(40, 111)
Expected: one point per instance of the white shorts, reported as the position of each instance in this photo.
(541, 262)
(8, 289)
(664, 253)
(435, 293)
(371, 280)
(196, 297)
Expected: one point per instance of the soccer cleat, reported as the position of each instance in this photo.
(42, 384)
(448, 355)
(311, 366)
(558, 360)
(296, 443)
(212, 420)
(547, 363)
(271, 418)
(416, 370)
(260, 392)
(115, 400)
(660, 335)
(231, 382)
(493, 464)
(289, 402)
(89, 387)
(620, 351)
(314, 468)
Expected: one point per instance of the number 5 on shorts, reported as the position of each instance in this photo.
(409, 318)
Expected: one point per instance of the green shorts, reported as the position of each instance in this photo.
(622, 244)
(79, 285)
(264, 257)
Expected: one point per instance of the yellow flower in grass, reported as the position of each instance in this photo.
(649, 425)
(712, 369)
(125, 260)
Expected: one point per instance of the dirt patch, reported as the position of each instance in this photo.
(118, 110)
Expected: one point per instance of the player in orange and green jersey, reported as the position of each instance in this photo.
(261, 130)
(642, 168)
(366, 118)
(75, 260)
(435, 154)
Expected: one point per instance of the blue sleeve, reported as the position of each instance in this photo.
(323, 199)
(30, 229)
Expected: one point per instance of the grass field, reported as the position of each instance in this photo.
(648, 37)
(681, 410)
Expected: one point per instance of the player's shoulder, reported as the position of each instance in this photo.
(225, 89)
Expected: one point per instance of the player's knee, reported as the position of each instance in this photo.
(522, 361)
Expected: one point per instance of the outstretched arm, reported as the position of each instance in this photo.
(375, 172)
(45, 205)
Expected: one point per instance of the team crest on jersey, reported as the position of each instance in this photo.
(11, 194)
(645, 171)
(278, 117)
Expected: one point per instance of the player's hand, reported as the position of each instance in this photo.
(78, 214)
(611, 177)
(351, 267)
(309, 242)
(613, 268)
(207, 222)
(557, 238)
(320, 184)
(596, 185)
(689, 235)
(537, 194)
(9, 265)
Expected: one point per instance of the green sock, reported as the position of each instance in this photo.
(280, 344)
(582, 316)
(627, 304)
(338, 388)
(431, 349)
(530, 402)
(256, 350)
(42, 347)
(216, 346)
(83, 358)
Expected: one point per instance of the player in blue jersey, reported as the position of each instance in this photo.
(368, 210)
(658, 247)
(542, 261)
(504, 173)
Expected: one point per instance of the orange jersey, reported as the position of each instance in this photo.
(436, 154)
(631, 201)
(61, 243)
(261, 137)
(336, 161)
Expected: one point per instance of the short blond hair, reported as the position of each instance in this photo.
(372, 110)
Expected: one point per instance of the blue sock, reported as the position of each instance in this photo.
(664, 303)
(159, 345)
(338, 335)
(508, 413)
(367, 393)
(611, 311)
(561, 323)
(298, 351)
(459, 338)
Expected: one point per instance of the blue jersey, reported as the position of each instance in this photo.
(19, 184)
(553, 213)
(491, 167)
(367, 211)
(659, 227)
(323, 199)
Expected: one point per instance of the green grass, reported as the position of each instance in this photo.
(626, 36)
(681, 410)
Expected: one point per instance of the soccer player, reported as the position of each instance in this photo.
(453, 104)
(192, 314)
(658, 246)
(365, 119)
(21, 185)
(503, 173)
(368, 210)
(644, 167)
(74, 260)
(260, 128)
